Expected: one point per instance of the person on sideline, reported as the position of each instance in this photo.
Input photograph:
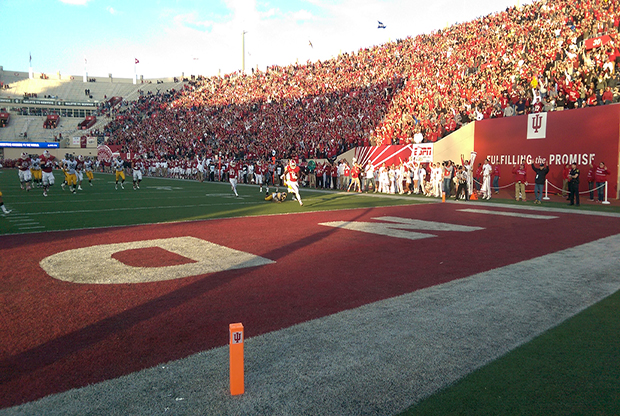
(539, 181)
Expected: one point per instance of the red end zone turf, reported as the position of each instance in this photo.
(58, 335)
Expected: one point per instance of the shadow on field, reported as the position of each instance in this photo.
(65, 362)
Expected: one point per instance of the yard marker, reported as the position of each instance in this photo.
(443, 197)
(236, 359)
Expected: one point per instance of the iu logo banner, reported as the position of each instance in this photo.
(537, 126)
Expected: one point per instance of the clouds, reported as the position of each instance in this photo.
(197, 37)
(75, 2)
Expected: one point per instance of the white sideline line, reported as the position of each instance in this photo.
(31, 228)
(377, 359)
(81, 211)
(508, 214)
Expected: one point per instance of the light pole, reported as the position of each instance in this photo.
(243, 52)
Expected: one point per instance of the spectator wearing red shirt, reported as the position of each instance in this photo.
(608, 96)
(565, 180)
(520, 173)
(600, 177)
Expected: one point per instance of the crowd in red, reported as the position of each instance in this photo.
(528, 59)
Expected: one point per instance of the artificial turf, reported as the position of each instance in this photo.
(573, 369)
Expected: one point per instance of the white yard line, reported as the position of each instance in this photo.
(508, 214)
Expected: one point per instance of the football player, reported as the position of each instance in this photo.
(25, 176)
(275, 197)
(79, 171)
(35, 171)
(233, 172)
(119, 172)
(88, 168)
(4, 210)
(137, 165)
(47, 166)
(71, 173)
(259, 170)
(291, 173)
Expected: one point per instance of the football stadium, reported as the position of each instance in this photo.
(426, 225)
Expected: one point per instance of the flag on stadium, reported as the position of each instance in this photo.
(310, 43)
(30, 59)
(381, 25)
(137, 62)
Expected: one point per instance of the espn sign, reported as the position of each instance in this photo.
(422, 153)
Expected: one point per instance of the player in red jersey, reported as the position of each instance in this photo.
(291, 175)
(233, 172)
(25, 176)
(79, 172)
(137, 166)
(259, 171)
(47, 166)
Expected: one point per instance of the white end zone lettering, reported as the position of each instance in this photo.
(95, 264)
(398, 227)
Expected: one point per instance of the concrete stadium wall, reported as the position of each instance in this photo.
(10, 153)
(451, 147)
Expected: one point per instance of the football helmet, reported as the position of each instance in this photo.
(46, 153)
(24, 155)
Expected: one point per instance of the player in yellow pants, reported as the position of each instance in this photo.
(275, 196)
(4, 210)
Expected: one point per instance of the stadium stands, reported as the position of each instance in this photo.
(520, 60)
(545, 56)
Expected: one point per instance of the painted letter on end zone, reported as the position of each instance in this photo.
(96, 265)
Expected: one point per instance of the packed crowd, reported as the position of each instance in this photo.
(528, 59)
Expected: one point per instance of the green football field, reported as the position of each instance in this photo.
(573, 369)
(158, 200)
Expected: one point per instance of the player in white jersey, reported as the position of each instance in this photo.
(70, 170)
(119, 172)
(35, 170)
(5, 211)
(88, 168)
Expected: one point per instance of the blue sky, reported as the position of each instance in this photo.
(169, 37)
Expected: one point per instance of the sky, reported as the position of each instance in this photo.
(175, 37)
